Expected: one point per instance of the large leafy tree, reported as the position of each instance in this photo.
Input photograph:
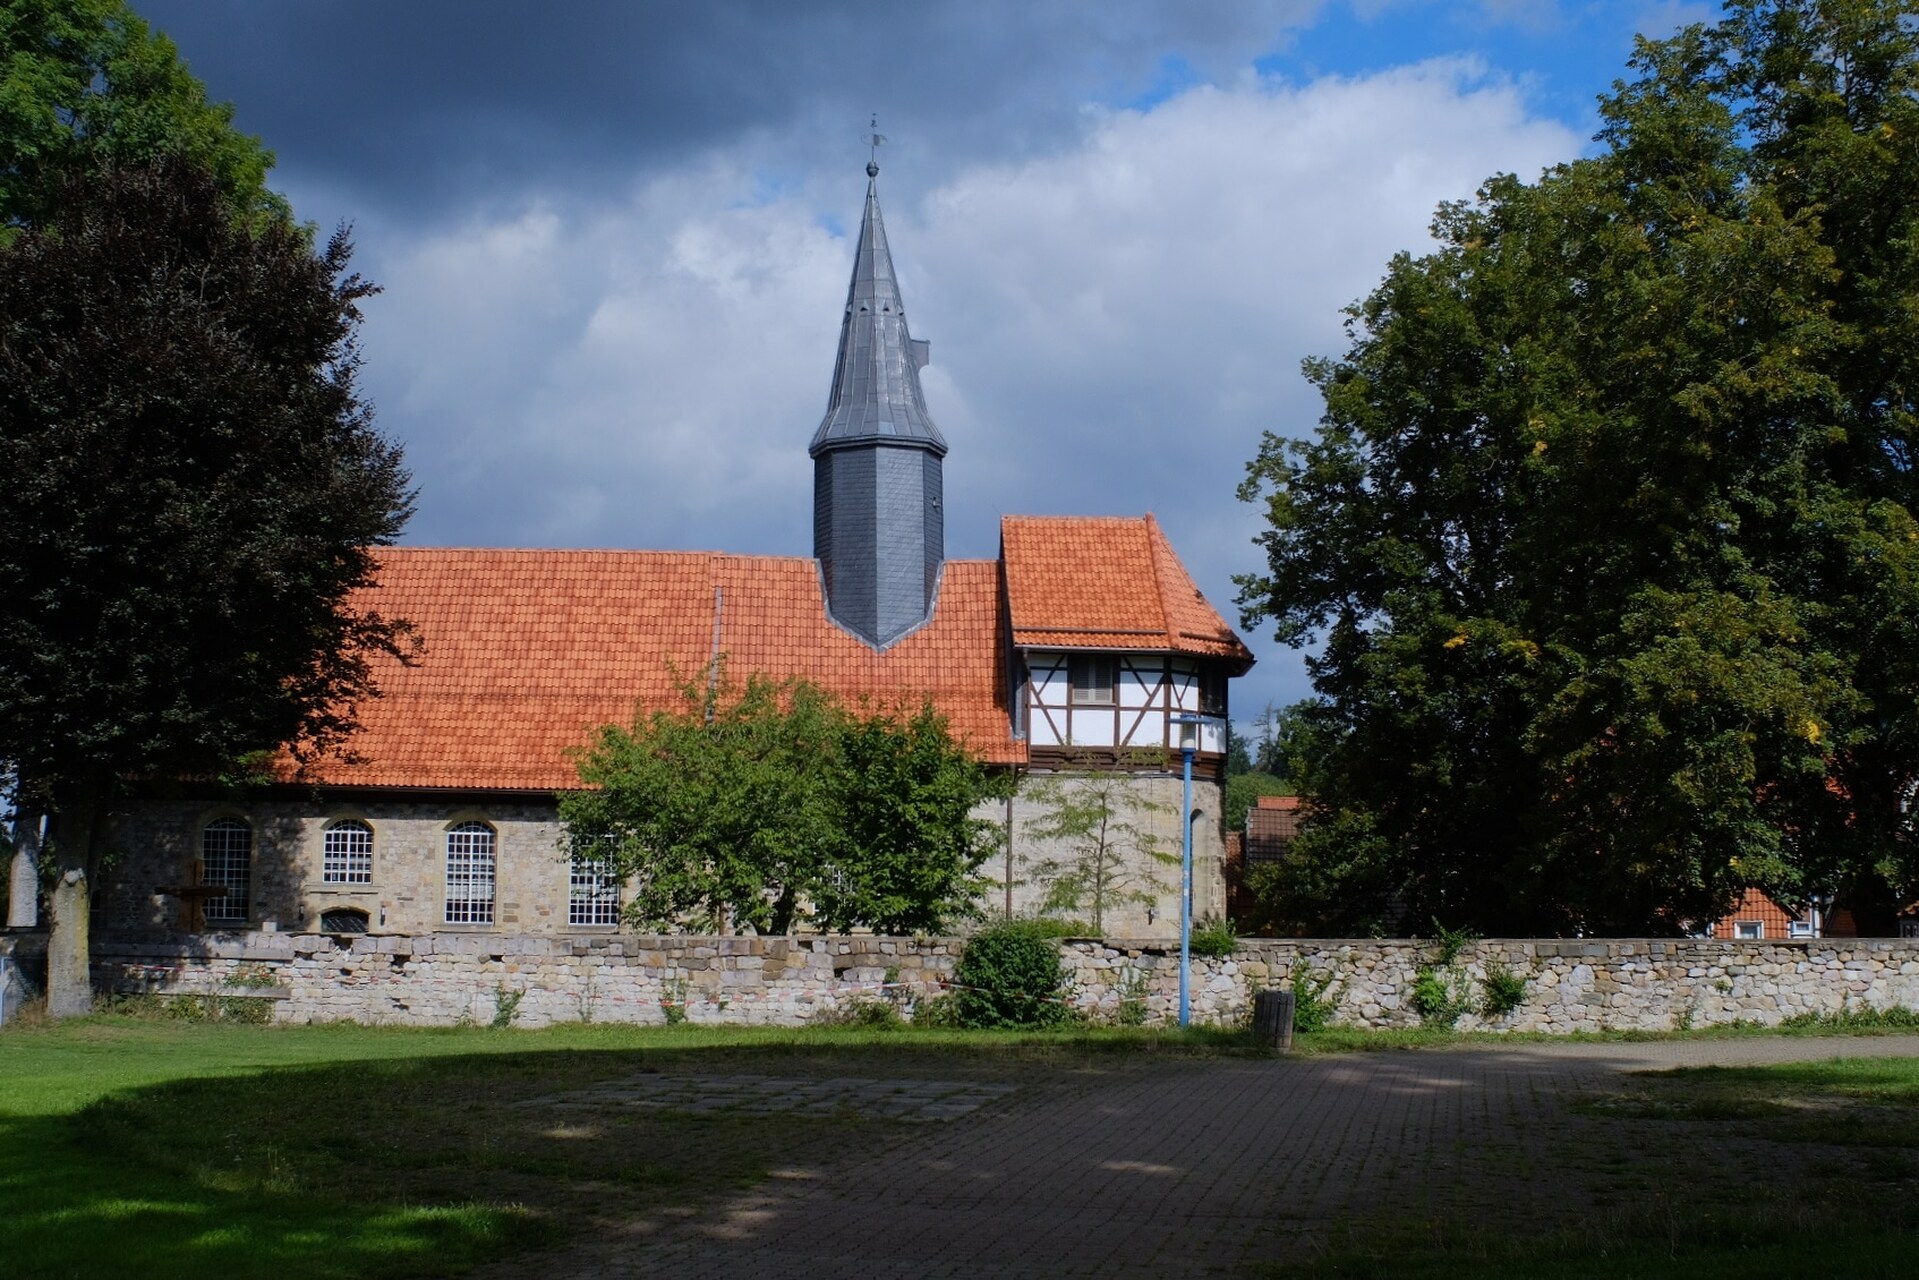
(85, 83)
(193, 489)
(1607, 535)
(775, 805)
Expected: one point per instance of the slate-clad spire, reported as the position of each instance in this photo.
(877, 525)
(876, 381)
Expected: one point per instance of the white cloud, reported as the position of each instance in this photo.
(1113, 324)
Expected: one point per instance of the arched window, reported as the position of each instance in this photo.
(347, 853)
(469, 874)
(226, 860)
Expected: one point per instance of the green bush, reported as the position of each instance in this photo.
(1132, 997)
(1061, 927)
(1313, 1007)
(874, 1015)
(1213, 938)
(937, 1011)
(1441, 994)
(1010, 976)
(1504, 987)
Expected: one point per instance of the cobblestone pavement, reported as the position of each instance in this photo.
(910, 1100)
(1184, 1168)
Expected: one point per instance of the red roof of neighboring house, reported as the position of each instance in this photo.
(1757, 904)
(527, 652)
(1077, 582)
(1271, 825)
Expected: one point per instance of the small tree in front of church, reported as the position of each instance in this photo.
(774, 806)
(1099, 855)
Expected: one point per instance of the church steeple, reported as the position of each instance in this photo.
(878, 528)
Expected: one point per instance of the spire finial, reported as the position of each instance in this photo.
(878, 140)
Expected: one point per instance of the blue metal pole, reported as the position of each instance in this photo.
(1186, 896)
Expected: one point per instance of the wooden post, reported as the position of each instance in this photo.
(1273, 1020)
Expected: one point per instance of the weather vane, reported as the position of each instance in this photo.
(877, 140)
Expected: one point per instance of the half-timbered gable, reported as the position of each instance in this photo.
(1112, 642)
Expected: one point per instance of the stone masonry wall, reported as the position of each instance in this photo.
(155, 845)
(447, 978)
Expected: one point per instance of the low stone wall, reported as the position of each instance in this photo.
(443, 979)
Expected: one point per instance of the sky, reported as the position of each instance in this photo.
(614, 236)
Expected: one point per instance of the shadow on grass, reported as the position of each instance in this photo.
(431, 1164)
(77, 1207)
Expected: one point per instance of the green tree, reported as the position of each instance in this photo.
(1103, 857)
(85, 83)
(194, 491)
(773, 805)
(909, 849)
(1606, 536)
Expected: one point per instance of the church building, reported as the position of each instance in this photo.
(1073, 650)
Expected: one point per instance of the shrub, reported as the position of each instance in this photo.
(1505, 989)
(1313, 1007)
(1213, 938)
(1061, 927)
(937, 1011)
(1132, 997)
(1441, 993)
(874, 1015)
(1010, 976)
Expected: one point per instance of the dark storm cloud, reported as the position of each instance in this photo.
(417, 107)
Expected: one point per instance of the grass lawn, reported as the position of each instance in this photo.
(171, 1149)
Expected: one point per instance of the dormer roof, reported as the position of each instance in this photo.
(876, 395)
(1093, 582)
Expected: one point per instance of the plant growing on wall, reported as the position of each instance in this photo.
(1442, 989)
(1102, 855)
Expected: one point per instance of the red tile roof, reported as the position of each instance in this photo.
(1080, 582)
(527, 652)
(1757, 904)
(1271, 827)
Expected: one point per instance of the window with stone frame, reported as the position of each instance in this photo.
(226, 861)
(346, 853)
(345, 920)
(593, 892)
(470, 869)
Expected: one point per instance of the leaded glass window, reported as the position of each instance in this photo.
(593, 893)
(347, 854)
(469, 874)
(226, 860)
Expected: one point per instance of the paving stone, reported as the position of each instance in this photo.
(1194, 1168)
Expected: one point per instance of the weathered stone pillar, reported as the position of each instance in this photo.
(23, 878)
(69, 904)
(69, 976)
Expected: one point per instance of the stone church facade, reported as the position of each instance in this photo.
(1074, 650)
